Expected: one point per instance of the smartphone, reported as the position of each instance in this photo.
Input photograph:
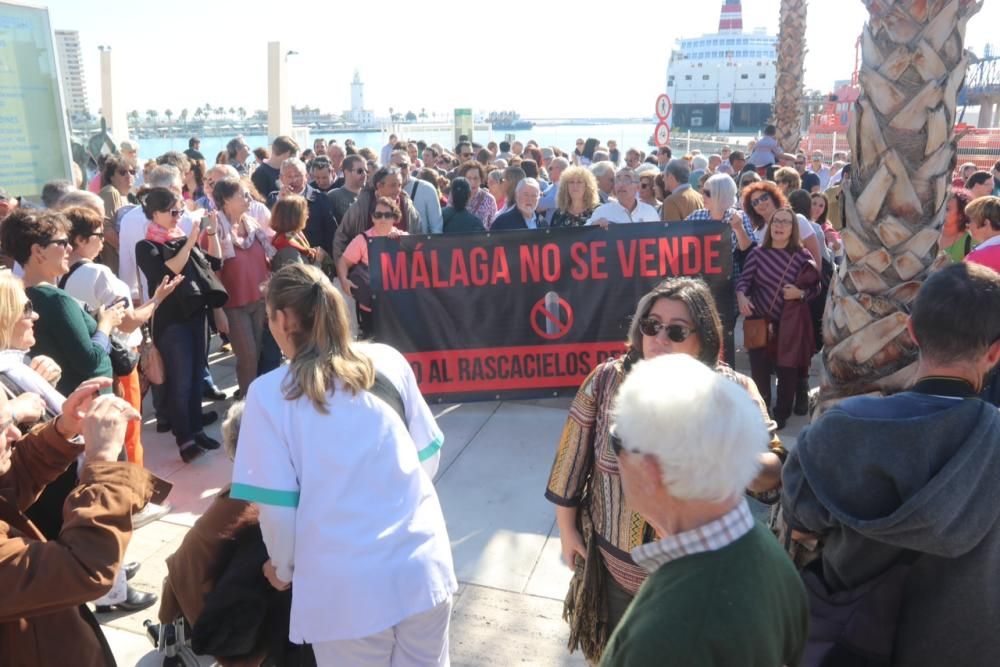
(205, 222)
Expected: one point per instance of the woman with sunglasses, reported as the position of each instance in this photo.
(677, 317)
(385, 217)
(77, 342)
(180, 326)
(117, 181)
(96, 287)
(778, 273)
(246, 247)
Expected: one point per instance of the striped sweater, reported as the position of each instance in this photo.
(762, 279)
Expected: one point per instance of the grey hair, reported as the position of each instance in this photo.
(723, 189)
(679, 169)
(231, 428)
(227, 169)
(294, 162)
(81, 198)
(647, 169)
(626, 174)
(53, 191)
(601, 156)
(164, 176)
(602, 168)
(525, 182)
(496, 176)
(559, 162)
(500, 163)
(699, 163)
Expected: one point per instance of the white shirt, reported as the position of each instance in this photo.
(348, 514)
(132, 231)
(615, 212)
(94, 285)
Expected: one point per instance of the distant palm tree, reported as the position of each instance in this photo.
(423, 112)
(220, 111)
(152, 114)
(169, 114)
(183, 117)
(391, 114)
(242, 113)
(134, 116)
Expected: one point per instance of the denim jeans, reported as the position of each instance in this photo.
(182, 346)
(246, 334)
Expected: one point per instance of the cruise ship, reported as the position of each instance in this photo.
(723, 82)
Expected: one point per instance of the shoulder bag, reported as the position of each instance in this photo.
(756, 330)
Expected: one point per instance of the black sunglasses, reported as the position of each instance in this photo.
(678, 333)
(59, 242)
(99, 235)
(383, 215)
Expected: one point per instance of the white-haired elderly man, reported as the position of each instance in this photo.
(604, 172)
(524, 213)
(626, 207)
(721, 591)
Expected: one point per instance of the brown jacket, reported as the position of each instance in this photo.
(193, 569)
(679, 205)
(43, 620)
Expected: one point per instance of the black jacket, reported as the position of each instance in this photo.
(512, 219)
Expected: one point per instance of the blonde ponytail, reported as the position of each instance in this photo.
(325, 351)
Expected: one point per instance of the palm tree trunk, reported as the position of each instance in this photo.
(902, 143)
(791, 68)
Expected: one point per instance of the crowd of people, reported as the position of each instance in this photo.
(119, 284)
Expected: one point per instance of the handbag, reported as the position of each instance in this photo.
(150, 361)
(123, 358)
(756, 330)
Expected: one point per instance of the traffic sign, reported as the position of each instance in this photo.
(662, 135)
(663, 107)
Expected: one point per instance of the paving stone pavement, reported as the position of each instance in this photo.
(491, 481)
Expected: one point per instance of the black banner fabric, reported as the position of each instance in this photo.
(530, 313)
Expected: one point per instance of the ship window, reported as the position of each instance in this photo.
(762, 76)
(705, 77)
(687, 77)
(744, 76)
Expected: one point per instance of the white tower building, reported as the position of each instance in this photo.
(358, 114)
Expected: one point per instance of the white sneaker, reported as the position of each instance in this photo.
(150, 513)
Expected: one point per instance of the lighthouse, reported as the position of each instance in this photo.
(358, 114)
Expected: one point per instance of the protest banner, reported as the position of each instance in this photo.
(530, 313)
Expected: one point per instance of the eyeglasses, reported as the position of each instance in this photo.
(782, 221)
(383, 215)
(760, 200)
(176, 212)
(99, 235)
(64, 243)
(677, 333)
(125, 172)
(29, 310)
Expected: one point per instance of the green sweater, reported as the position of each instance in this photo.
(741, 605)
(63, 332)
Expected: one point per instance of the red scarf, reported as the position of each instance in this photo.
(158, 234)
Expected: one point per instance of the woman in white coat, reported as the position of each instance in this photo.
(331, 450)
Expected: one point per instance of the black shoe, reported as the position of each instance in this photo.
(210, 417)
(134, 601)
(802, 397)
(781, 423)
(130, 569)
(190, 452)
(163, 426)
(238, 395)
(214, 393)
(206, 442)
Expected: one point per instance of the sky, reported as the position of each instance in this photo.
(543, 58)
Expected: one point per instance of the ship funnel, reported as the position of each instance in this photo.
(731, 19)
